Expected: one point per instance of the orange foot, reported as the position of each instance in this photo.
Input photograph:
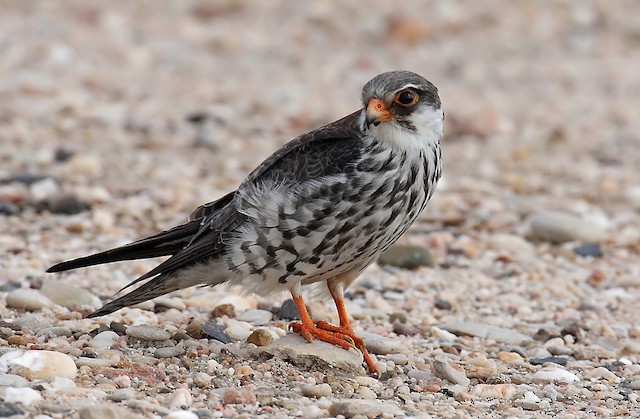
(339, 336)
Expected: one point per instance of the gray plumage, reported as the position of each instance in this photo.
(324, 205)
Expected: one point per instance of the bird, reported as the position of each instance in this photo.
(319, 210)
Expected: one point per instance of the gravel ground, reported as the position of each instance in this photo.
(118, 118)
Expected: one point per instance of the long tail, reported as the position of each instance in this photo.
(165, 243)
(158, 286)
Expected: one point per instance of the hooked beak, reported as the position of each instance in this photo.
(377, 112)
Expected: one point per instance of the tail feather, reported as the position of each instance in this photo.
(158, 286)
(162, 244)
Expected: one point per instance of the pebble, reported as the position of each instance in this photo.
(602, 372)
(316, 391)
(38, 364)
(65, 203)
(558, 227)
(380, 345)
(202, 380)
(54, 331)
(23, 395)
(256, 317)
(27, 299)
(367, 393)
(104, 340)
(144, 332)
(43, 189)
(593, 250)
(215, 331)
(12, 380)
(364, 408)
(10, 410)
(298, 350)
(32, 322)
(169, 351)
(260, 337)
(289, 311)
(181, 414)
(485, 331)
(312, 411)
(242, 396)
(554, 375)
(407, 256)
(102, 411)
(494, 391)
(68, 295)
(446, 371)
(238, 330)
(180, 399)
(551, 359)
(121, 394)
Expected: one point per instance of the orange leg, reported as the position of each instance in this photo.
(342, 335)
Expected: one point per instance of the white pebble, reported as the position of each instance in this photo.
(43, 189)
(27, 299)
(554, 375)
(180, 399)
(238, 330)
(181, 414)
(367, 393)
(144, 332)
(62, 383)
(24, 395)
(317, 391)
(530, 396)
(256, 317)
(38, 364)
(68, 295)
(103, 340)
(443, 335)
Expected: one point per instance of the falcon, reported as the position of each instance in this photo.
(319, 210)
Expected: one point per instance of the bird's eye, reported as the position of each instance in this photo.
(406, 98)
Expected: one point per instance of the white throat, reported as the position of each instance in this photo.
(429, 125)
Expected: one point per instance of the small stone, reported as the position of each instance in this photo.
(558, 227)
(32, 322)
(602, 372)
(312, 411)
(551, 359)
(380, 345)
(119, 328)
(317, 391)
(299, 351)
(27, 299)
(43, 189)
(510, 357)
(215, 331)
(256, 317)
(85, 164)
(593, 250)
(448, 372)
(180, 399)
(62, 154)
(65, 203)
(441, 304)
(68, 295)
(289, 311)
(554, 375)
(202, 380)
(228, 310)
(144, 332)
(169, 351)
(364, 408)
(260, 337)
(233, 396)
(182, 414)
(238, 330)
(367, 393)
(10, 409)
(494, 391)
(497, 378)
(407, 256)
(111, 411)
(54, 331)
(12, 380)
(24, 395)
(38, 364)
(499, 334)
(122, 394)
(104, 340)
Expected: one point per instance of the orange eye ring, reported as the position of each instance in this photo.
(406, 98)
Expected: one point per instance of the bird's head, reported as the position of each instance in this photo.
(403, 109)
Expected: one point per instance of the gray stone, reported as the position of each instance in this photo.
(214, 331)
(365, 408)
(298, 350)
(144, 332)
(68, 295)
(121, 394)
(102, 411)
(407, 256)
(444, 370)
(256, 317)
(558, 227)
(481, 330)
(169, 351)
(27, 299)
(32, 322)
(380, 345)
(12, 380)
(317, 391)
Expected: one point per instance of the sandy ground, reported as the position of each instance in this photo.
(118, 118)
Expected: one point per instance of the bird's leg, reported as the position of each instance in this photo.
(337, 293)
(308, 329)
